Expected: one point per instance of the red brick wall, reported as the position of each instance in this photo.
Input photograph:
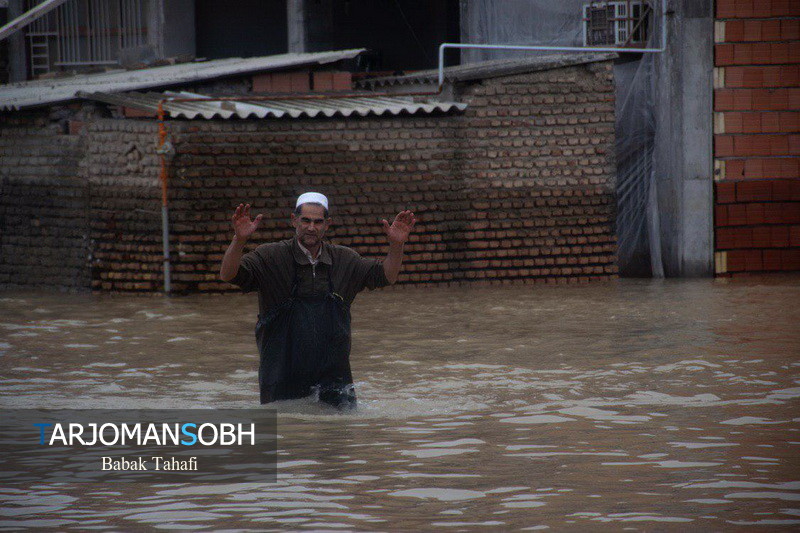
(757, 136)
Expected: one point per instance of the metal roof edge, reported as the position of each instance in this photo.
(284, 108)
(16, 96)
(488, 69)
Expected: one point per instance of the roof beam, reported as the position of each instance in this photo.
(29, 16)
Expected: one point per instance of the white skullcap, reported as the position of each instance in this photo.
(312, 197)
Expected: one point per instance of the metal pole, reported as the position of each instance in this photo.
(163, 150)
(165, 239)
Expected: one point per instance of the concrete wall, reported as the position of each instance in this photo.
(683, 144)
(179, 38)
(756, 142)
(518, 189)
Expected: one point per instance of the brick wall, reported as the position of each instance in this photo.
(757, 136)
(124, 205)
(518, 189)
(44, 242)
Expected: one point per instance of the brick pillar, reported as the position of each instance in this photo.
(756, 141)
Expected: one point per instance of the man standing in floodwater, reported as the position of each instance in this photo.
(305, 288)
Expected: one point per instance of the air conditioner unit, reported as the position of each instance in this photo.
(618, 23)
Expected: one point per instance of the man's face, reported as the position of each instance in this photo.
(310, 225)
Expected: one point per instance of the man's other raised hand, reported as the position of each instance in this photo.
(242, 225)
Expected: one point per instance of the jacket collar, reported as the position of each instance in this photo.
(301, 258)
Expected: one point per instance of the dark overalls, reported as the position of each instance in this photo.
(305, 349)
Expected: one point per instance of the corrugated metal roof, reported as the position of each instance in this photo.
(288, 108)
(41, 92)
(488, 69)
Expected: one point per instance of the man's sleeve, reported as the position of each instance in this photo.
(371, 273)
(247, 276)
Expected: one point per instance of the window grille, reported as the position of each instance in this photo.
(85, 33)
(615, 23)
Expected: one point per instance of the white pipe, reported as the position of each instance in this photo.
(663, 47)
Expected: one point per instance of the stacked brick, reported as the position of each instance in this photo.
(757, 136)
(518, 189)
(44, 242)
(122, 174)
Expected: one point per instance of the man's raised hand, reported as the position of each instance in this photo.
(242, 225)
(401, 227)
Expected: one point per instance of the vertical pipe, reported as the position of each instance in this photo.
(135, 23)
(92, 32)
(68, 32)
(101, 32)
(120, 22)
(140, 35)
(106, 37)
(122, 30)
(129, 25)
(165, 239)
(108, 34)
(91, 29)
(162, 137)
(76, 35)
(65, 25)
(59, 35)
(123, 18)
(70, 27)
(141, 22)
(67, 28)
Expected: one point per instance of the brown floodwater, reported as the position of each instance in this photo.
(632, 405)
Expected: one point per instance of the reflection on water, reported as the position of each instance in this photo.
(638, 405)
